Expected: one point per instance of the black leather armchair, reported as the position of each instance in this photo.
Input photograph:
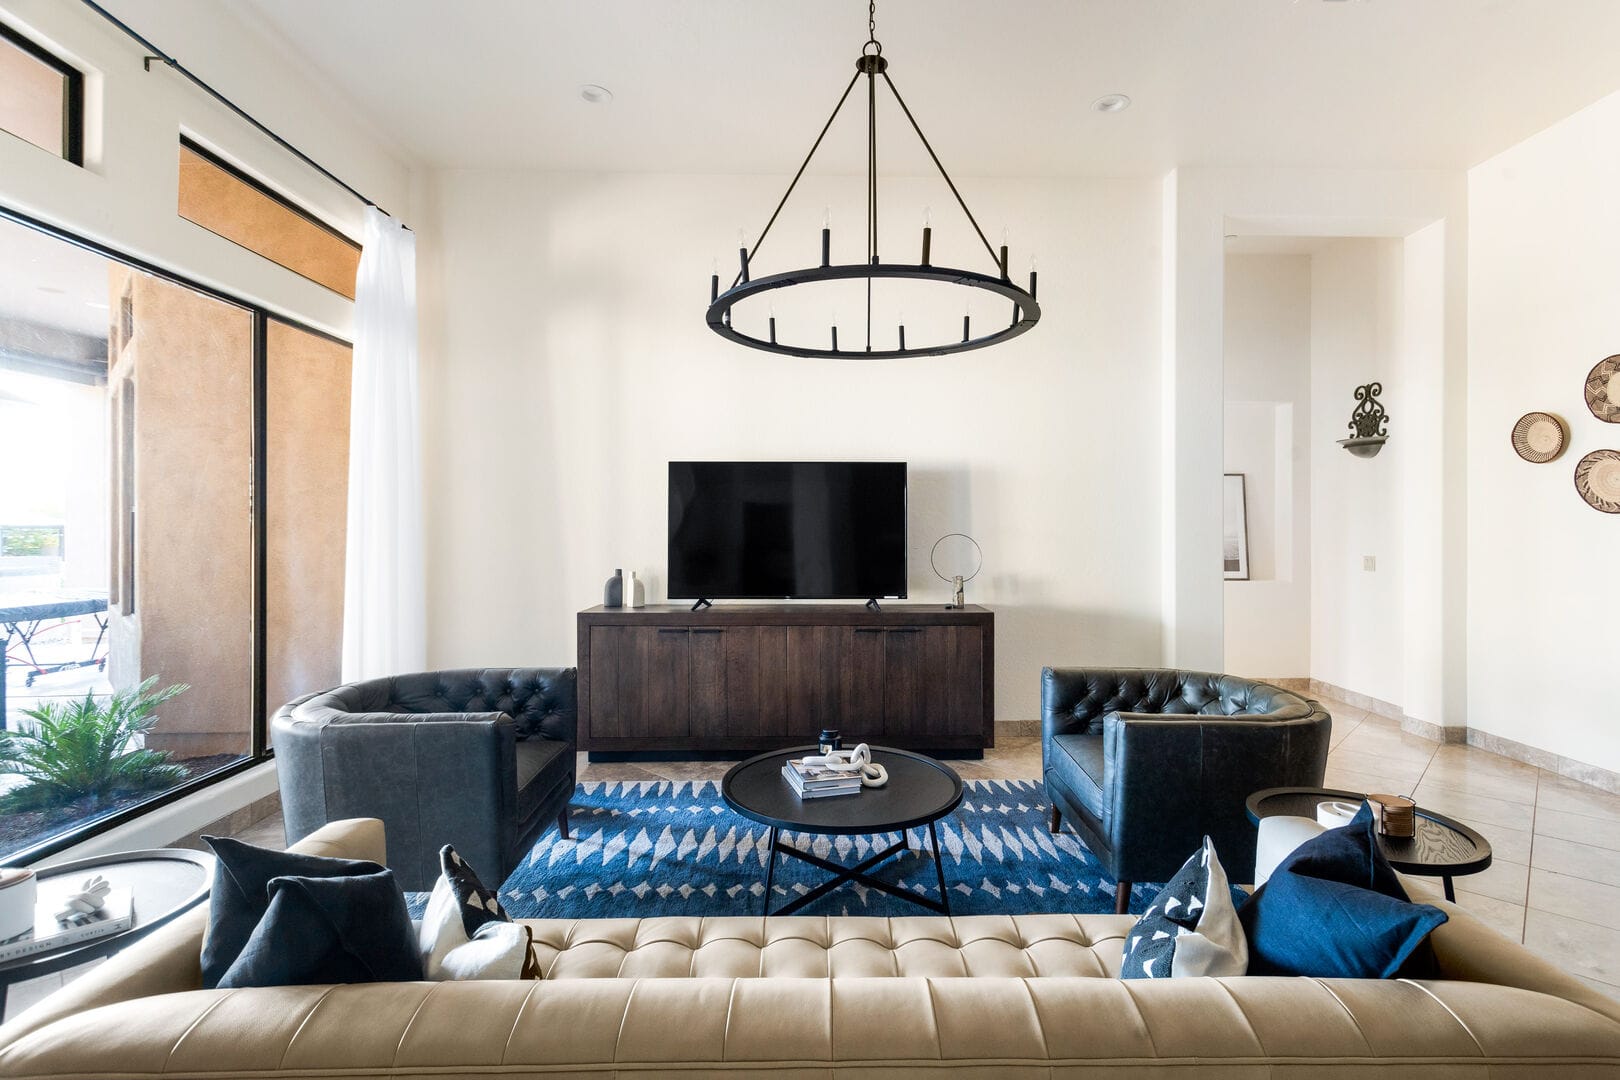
(1145, 762)
(479, 758)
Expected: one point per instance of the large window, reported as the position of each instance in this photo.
(172, 473)
(41, 97)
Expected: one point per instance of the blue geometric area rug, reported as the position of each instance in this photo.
(650, 848)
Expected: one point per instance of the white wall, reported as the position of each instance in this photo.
(1268, 438)
(1357, 638)
(1543, 595)
(566, 362)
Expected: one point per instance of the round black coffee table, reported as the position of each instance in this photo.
(163, 883)
(920, 791)
(1441, 847)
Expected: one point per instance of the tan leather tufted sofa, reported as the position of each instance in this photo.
(853, 999)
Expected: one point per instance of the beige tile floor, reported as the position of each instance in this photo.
(1554, 880)
(1554, 883)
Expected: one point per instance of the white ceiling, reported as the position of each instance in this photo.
(51, 283)
(1001, 88)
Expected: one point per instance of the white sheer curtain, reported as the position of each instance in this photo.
(384, 593)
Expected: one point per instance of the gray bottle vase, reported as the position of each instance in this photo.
(613, 592)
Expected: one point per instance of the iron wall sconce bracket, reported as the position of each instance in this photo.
(1367, 420)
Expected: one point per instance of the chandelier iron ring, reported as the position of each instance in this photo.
(1026, 312)
(719, 313)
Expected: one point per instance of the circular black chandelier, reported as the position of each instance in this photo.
(1026, 312)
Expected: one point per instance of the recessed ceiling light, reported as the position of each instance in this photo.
(596, 95)
(52, 289)
(1112, 103)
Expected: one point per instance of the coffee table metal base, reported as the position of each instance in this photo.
(859, 872)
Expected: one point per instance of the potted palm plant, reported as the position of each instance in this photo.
(88, 751)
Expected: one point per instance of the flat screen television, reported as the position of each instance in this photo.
(772, 530)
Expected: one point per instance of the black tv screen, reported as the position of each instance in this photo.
(812, 530)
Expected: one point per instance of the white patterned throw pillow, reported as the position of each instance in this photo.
(466, 934)
(1190, 929)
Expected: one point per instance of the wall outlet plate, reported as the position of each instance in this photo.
(1369, 562)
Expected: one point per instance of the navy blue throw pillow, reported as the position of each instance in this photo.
(330, 930)
(240, 896)
(1334, 908)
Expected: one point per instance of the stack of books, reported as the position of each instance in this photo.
(48, 933)
(818, 781)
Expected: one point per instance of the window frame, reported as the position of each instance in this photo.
(72, 98)
(259, 750)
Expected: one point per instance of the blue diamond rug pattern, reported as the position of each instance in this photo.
(660, 847)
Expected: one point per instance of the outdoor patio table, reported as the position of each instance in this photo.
(21, 617)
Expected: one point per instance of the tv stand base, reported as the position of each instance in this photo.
(740, 679)
(701, 604)
(873, 605)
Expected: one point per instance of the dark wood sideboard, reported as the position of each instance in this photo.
(742, 679)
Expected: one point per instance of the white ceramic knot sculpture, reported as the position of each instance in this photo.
(858, 760)
(91, 898)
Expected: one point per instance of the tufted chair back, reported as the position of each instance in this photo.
(540, 700)
(1074, 700)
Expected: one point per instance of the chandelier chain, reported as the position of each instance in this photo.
(871, 193)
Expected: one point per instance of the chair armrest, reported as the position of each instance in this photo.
(432, 778)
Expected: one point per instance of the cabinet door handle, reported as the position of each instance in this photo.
(708, 629)
(903, 630)
(869, 629)
(672, 629)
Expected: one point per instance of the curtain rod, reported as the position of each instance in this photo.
(155, 53)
